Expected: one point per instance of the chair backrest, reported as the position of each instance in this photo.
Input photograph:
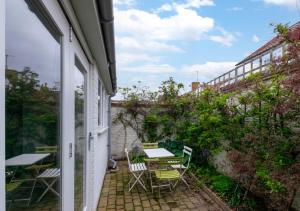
(46, 149)
(150, 145)
(165, 163)
(187, 151)
(127, 156)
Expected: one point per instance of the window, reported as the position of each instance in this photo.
(99, 103)
(33, 81)
(103, 106)
(277, 54)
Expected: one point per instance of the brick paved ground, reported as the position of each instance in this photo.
(115, 196)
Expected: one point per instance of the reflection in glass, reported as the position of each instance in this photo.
(79, 137)
(32, 108)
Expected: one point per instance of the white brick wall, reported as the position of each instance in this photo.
(98, 148)
(118, 138)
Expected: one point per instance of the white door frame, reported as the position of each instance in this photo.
(76, 51)
(67, 108)
(2, 105)
(70, 49)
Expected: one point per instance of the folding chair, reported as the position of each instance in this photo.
(186, 154)
(49, 177)
(10, 189)
(14, 185)
(165, 173)
(150, 145)
(137, 170)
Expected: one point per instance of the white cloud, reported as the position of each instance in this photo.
(134, 43)
(226, 38)
(150, 68)
(255, 39)
(186, 5)
(124, 59)
(198, 3)
(288, 3)
(209, 70)
(235, 9)
(186, 24)
(124, 2)
(164, 8)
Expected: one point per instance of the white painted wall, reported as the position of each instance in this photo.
(99, 151)
(2, 104)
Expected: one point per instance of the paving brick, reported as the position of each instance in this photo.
(115, 196)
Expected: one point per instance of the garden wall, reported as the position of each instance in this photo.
(121, 138)
(127, 138)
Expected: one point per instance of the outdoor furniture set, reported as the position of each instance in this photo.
(163, 167)
(35, 170)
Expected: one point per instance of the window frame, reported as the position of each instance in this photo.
(99, 102)
(2, 105)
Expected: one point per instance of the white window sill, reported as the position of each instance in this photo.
(102, 130)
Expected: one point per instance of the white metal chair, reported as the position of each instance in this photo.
(186, 153)
(137, 170)
(49, 177)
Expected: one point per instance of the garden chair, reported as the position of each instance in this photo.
(49, 177)
(12, 187)
(137, 170)
(150, 146)
(186, 156)
(165, 174)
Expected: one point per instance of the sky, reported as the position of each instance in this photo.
(158, 39)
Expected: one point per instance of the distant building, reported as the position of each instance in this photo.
(255, 62)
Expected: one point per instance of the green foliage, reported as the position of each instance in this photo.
(221, 184)
(31, 112)
(271, 184)
(258, 122)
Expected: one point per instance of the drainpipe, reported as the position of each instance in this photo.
(111, 162)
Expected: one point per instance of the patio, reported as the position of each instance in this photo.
(115, 196)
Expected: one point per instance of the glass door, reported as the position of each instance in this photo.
(33, 107)
(80, 135)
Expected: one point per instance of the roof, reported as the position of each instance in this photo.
(269, 45)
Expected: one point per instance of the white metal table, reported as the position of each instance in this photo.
(158, 153)
(25, 159)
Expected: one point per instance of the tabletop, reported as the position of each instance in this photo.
(25, 159)
(158, 153)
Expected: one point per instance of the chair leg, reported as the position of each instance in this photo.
(31, 192)
(49, 187)
(151, 182)
(137, 180)
(185, 182)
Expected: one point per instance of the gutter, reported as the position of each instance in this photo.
(105, 8)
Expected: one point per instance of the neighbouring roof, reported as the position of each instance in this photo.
(269, 45)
